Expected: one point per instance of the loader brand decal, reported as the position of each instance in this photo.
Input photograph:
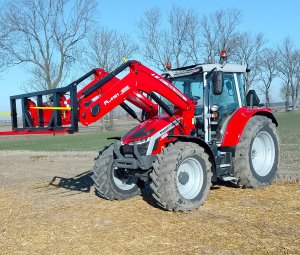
(116, 95)
(170, 86)
(111, 99)
(161, 133)
(124, 89)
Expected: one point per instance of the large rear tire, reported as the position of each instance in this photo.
(257, 154)
(181, 177)
(110, 182)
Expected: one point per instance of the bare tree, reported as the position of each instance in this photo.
(249, 51)
(106, 49)
(4, 32)
(183, 35)
(285, 93)
(288, 67)
(186, 38)
(219, 31)
(154, 42)
(45, 36)
(177, 41)
(3, 56)
(194, 40)
(296, 85)
(268, 71)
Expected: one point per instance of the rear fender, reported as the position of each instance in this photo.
(239, 120)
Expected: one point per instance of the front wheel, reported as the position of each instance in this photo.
(181, 177)
(111, 182)
(257, 154)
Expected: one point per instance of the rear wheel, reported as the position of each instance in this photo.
(111, 182)
(181, 177)
(257, 154)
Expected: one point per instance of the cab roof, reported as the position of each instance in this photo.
(201, 68)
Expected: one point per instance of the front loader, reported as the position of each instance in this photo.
(197, 127)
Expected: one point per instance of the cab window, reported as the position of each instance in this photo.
(228, 100)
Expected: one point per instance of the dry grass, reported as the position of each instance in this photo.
(39, 219)
(232, 221)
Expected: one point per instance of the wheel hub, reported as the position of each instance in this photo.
(122, 180)
(190, 178)
(183, 178)
(263, 153)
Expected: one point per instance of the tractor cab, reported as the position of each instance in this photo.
(217, 91)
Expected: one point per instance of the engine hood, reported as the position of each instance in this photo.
(145, 130)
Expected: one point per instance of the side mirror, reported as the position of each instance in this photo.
(252, 99)
(217, 83)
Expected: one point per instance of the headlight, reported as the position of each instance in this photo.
(214, 108)
(143, 141)
(137, 142)
(140, 141)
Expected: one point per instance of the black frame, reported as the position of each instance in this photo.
(55, 122)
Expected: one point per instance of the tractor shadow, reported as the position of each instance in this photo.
(146, 191)
(81, 182)
(146, 194)
(84, 183)
(219, 184)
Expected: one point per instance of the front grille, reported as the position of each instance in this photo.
(128, 149)
(142, 148)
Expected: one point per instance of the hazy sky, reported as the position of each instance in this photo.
(275, 19)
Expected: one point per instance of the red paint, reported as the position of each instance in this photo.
(47, 113)
(139, 80)
(237, 123)
(134, 87)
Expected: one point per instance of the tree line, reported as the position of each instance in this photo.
(185, 37)
(48, 38)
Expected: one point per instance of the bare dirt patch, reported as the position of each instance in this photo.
(48, 206)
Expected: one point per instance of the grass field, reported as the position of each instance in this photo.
(74, 142)
(289, 126)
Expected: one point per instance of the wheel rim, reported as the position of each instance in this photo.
(123, 183)
(263, 153)
(189, 178)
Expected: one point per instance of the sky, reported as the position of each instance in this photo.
(275, 19)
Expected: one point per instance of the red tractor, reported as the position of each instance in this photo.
(197, 127)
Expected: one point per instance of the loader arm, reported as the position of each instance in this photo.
(60, 109)
(109, 92)
(136, 98)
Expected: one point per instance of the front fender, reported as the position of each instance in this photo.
(239, 120)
